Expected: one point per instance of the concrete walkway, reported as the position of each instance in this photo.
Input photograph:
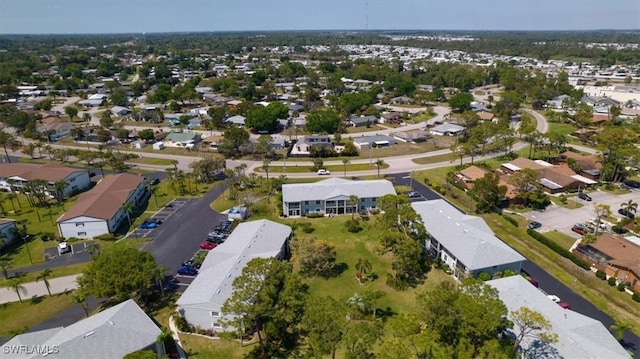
(56, 285)
(176, 338)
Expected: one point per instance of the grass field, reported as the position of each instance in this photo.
(562, 239)
(562, 128)
(152, 161)
(15, 316)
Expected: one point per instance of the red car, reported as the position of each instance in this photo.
(565, 305)
(208, 245)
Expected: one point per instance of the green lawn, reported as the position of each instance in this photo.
(204, 348)
(352, 129)
(152, 161)
(336, 169)
(451, 157)
(562, 128)
(15, 316)
(560, 238)
(55, 273)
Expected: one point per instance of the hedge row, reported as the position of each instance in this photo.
(559, 249)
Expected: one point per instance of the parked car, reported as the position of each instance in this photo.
(534, 282)
(598, 223)
(215, 238)
(554, 298)
(155, 181)
(413, 194)
(64, 247)
(632, 183)
(187, 271)
(584, 196)
(579, 228)
(626, 213)
(564, 305)
(323, 172)
(148, 225)
(191, 263)
(157, 221)
(534, 225)
(208, 245)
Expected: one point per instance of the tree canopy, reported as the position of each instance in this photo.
(323, 121)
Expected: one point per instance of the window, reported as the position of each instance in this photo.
(79, 224)
(72, 179)
(215, 314)
(216, 325)
(81, 234)
(306, 202)
(317, 202)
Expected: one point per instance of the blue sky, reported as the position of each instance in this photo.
(118, 16)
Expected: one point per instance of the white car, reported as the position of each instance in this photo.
(63, 247)
(599, 223)
(554, 298)
(323, 172)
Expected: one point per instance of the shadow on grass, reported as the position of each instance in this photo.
(337, 270)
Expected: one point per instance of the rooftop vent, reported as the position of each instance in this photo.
(111, 322)
(88, 334)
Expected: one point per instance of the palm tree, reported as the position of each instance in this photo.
(59, 188)
(353, 201)
(619, 328)
(265, 167)
(6, 139)
(345, 162)
(11, 196)
(81, 298)
(44, 276)
(379, 163)
(5, 264)
(363, 267)
(165, 334)
(630, 206)
(15, 283)
(128, 209)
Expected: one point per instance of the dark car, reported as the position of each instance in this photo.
(534, 225)
(187, 271)
(215, 238)
(632, 183)
(154, 181)
(584, 196)
(626, 213)
(579, 228)
(413, 194)
(191, 264)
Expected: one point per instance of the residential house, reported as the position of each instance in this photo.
(181, 139)
(7, 232)
(331, 196)
(237, 120)
(100, 210)
(412, 136)
(91, 102)
(55, 128)
(120, 111)
(485, 115)
(447, 129)
(589, 165)
(212, 141)
(553, 178)
(304, 146)
(201, 303)
(464, 243)
(110, 334)
(617, 256)
(401, 100)
(468, 176)
(14, 176)
(361, 121)
(559, 102)
(366, 142)
(391, 117)
(578, 336)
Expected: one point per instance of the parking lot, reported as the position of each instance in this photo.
(162, 215)
(557, 218)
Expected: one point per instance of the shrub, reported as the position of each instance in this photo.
(73, 239)
(621, 287)
(601, 274)
(636, 296)
(183, 325)
(374, 211)
(611, 281)
(562, 198)
(48, 236)
(106, 237)
(314, 215)
(353, 226)
(484, 276)
(427, 181)
(306, 227)
(511, 220)
(559, 249)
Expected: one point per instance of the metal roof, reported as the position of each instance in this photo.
(579, 336)
(335, 187)
(468, 238)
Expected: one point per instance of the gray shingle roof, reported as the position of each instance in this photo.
(579, 336)
(468, 238)
(112, 333)
(335, 187)
(213, 285)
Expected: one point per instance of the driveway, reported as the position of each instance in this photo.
(557, 218)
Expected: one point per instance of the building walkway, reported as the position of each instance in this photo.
(38, 289)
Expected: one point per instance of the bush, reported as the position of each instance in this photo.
(106, 237)
(353, 226)
(621, 287)
(636, 296)
(484, 276)
(601, 274)
(314, 215)
(611, 281)
(511, 220)
(559, 249)
(427, 181)
(562, 198)
(183, 325)
(374, 211)
(306, 227)
(73, 239)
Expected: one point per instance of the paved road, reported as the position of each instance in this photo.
(179, 237)
(38, 289)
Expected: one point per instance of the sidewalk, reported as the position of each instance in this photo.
(56, 285)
